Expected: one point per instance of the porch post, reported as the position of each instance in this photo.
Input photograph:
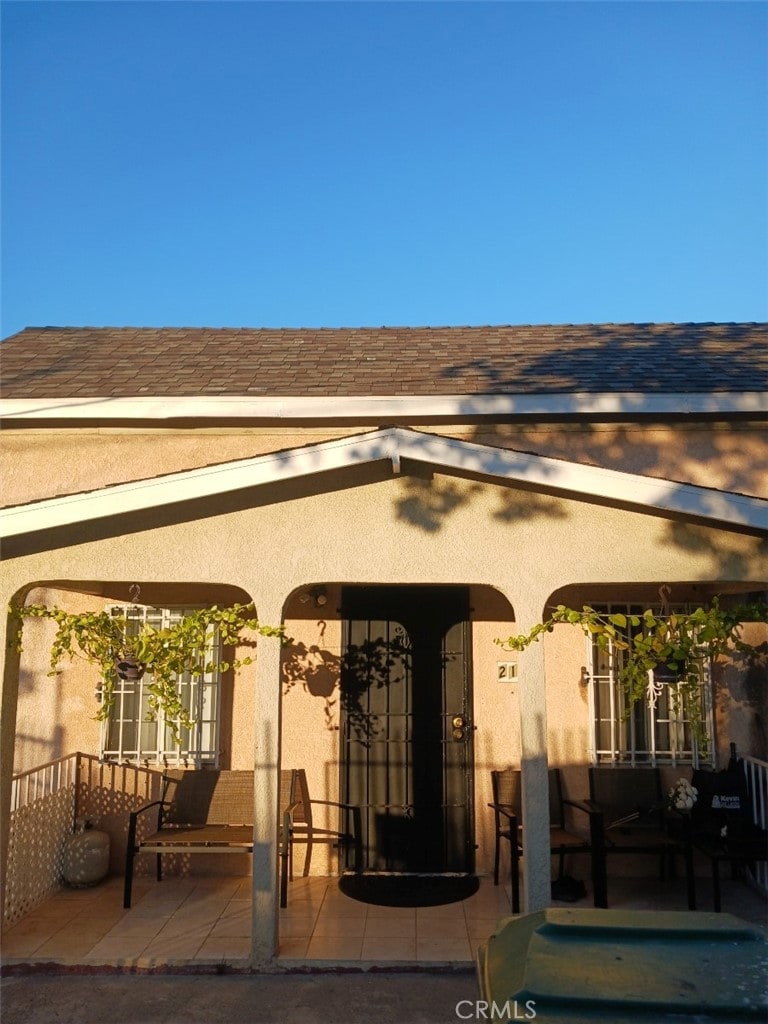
(535, 785)
(8, 704)
(264, 922)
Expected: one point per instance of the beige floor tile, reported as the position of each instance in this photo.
(224, 947)
(89, 895)
(20, 944)
(342, 906)
(55, 913)
(30, 926)
(293, 948)
(331, 925)
(443, 949)
(178, 924)
(433, 929)
(296, 929)
(235, 921)
(449, 912)
(482, 926)
(222, 888)
(380, 947)
(390, 927)
(115, 951)
(131, 927)
(402, 912)
(166, 947)
(335, 947)
(155, 908)
(202, 910)
(67, 945)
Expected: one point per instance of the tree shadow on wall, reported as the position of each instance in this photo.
(345, 683)
(631, 361)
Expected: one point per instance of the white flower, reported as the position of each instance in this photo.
(682, 796)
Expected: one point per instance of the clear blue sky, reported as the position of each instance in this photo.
(342, 164)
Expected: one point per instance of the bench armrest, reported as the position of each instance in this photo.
(357, 827)
(133, 819)
(508, 812)
(146, 807)
(585, 806)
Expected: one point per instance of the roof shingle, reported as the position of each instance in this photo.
(67, 362)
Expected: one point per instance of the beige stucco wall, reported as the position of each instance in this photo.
(364, 525)
(36, 464)
(525, 545)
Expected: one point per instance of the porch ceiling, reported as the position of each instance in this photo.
(399, 446)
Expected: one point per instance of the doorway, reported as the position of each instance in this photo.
(407, 738)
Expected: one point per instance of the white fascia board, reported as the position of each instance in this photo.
(394, 444)
(557, 475)
(382, 407)
(188, 485)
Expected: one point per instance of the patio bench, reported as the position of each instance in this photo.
(632, 803)
(506, 785)
(207, 811)
(721, 826)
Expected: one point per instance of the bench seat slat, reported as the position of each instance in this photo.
(201, 835)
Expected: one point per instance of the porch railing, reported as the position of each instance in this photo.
(45, 804)
(756, 773)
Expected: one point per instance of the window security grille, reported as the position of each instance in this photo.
(129, 733)
(647, 734)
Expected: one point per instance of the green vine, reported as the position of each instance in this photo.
(103, 639)
(684, 642)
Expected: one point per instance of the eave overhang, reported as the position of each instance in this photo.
(380, 408)
(400, 447)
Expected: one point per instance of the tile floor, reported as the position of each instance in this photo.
(208, 920)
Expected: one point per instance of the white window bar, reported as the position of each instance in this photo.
(130, 735)
(666, 735)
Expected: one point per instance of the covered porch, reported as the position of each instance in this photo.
(204, 924)
(518, 532)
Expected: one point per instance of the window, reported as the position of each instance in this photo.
(128, 734)
(652, 732)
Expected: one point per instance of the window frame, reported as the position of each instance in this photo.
(202, 746)
(636, 740)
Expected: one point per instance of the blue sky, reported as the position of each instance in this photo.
(343, 164)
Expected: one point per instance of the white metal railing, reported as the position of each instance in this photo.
(42, 815)
(43, 781)
(45, 803)
(756, 773)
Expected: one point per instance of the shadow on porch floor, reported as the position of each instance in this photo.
(207, 921)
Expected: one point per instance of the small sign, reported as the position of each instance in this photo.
(726, 802)
(506, 671)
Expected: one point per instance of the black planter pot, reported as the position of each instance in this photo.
(668, 676)
(129, 669)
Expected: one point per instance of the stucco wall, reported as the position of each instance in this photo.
(510, 545)
(37, 464)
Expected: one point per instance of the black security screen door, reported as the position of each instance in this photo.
(406, 732)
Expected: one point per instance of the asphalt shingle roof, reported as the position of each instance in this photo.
(72, 362)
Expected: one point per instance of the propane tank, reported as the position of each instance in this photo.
(85, 859)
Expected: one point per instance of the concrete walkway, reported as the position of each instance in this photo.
(409, 998)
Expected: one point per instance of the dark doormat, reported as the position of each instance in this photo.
(568, 889)
(409, 890)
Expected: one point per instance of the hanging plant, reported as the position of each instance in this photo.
(681, 644)
(119, 650)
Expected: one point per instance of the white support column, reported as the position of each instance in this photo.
(9, 669)
(264, 924)
(535, 785)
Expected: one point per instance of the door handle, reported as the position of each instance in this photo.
(459, 724)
